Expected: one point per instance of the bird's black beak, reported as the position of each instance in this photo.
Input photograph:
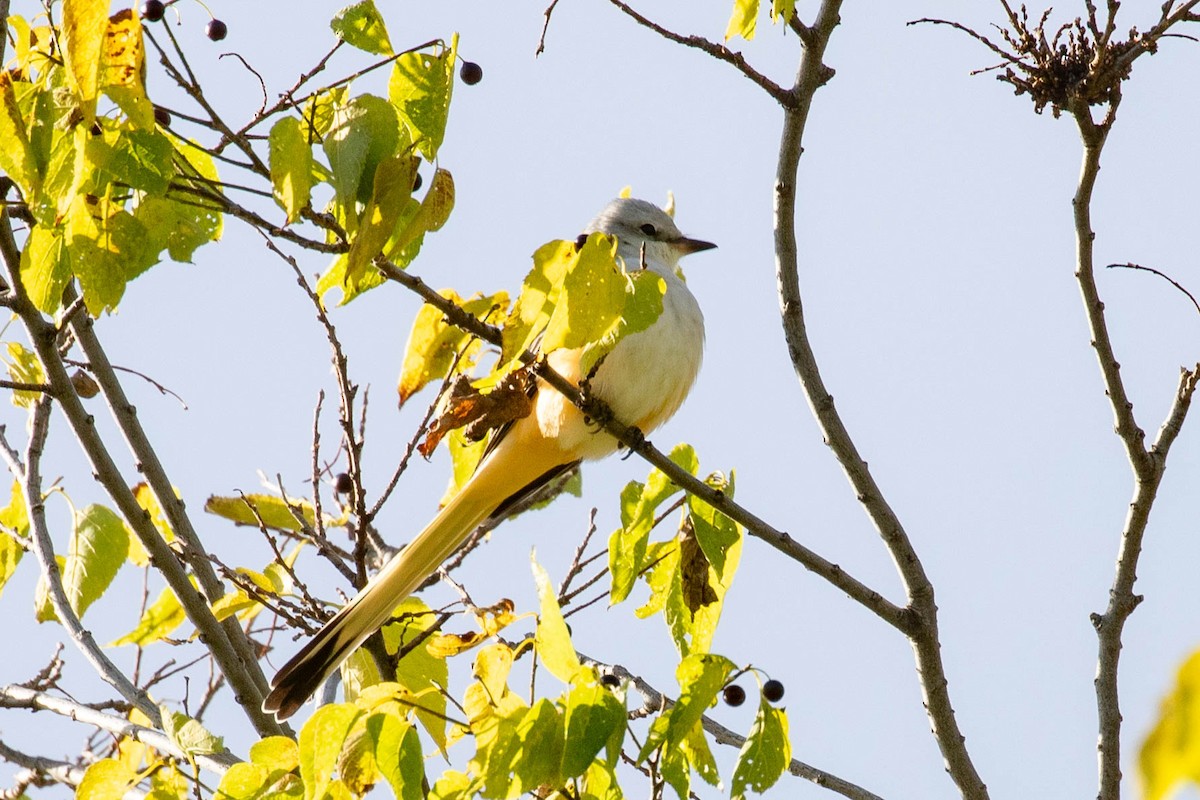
(686, 246)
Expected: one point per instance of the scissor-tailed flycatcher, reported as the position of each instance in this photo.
(644, 380)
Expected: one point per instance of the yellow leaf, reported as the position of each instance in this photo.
(553, 640)
(391, 190)
(1170, 754)
(743, 20)
(124, 68)
(84, 26)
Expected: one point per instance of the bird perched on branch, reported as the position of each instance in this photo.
(643, 380)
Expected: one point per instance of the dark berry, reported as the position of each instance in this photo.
(610, 680)
(85, 386)
(773, 690)
(152, 10)
(417, 181)
(734, 695)
(343, 483)
(162, 116)
(470, 72)
(216, 30)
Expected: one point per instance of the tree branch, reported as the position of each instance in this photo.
(656, 700)
(21, 697)
(30, 477)
(633, 439)
(784, 97)
(922, 627)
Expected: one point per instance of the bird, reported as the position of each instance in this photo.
(644, 380)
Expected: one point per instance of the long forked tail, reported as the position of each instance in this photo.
(500, 477)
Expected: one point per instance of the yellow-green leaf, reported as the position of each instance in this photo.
(639, 502)
(147, 500)
(431, 215)
(553, 640)
(16, 154)
(159, 620)
(45, 267)
(24, 367)
(291, 166)
(99, 545)
(43, 607)
(434, 344)
(276, 752)
(419, 672)
(595, 720)
(420, 88)
(13, 517)
(321, 741)
(275, 512)
(362, 25)
(397, 754)
(189, 735)
(700, 677)
(765, 754)
(743, 21)
(392, 187)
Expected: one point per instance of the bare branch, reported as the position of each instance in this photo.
(718, 51)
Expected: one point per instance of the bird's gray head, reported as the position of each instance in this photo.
(637, 223)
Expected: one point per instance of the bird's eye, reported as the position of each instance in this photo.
(649, 230)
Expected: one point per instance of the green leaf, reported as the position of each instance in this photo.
(743, 21)
(99, 545)
(291, 162)
(639, 503)
(362, 25)
(107, 779)
(276, 513)
(189, 735)
(434, 344)
(595, 719)
(765, 755)
(45, 267)
(700, 677)
(420, 88)
(321, 741)
(363, 132)
(24, 367)
(553, 641)
(136, 158)
(160, 620)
